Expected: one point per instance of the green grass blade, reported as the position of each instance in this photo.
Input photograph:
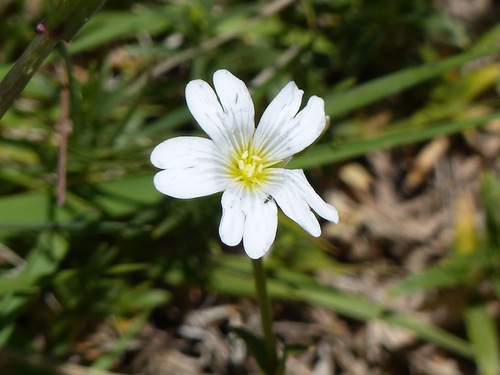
(232, 277)
(327, 153)
(62, 24)
(431, 333)
(118, 197)
(342, 102)
(360, 308)
(107, 360)
(109, 26)
(43, 261)
(490, 196)
(483, 334)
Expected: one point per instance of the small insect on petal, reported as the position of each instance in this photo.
(268, 199)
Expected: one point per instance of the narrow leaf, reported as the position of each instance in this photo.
(256, 345)
(326, 153)
(342, 102)
(483, 334)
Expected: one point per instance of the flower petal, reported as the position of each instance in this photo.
(289, 198)
(237, 104)
(191, 182)
(233, 218)
(261, 223)
(295, 196)
(323, 209)
(193, 166)
(207, 111)
(231, 124)
(248, 214)
(278, 113)
(185, 152)
(298, 133)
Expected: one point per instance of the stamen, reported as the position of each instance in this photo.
(249, 168)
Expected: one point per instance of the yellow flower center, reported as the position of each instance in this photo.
(249, 169)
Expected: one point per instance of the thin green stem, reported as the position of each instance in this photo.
(61, 25)
(26, 66)
(265, 313)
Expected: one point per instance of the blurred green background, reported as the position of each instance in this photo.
(110, 280)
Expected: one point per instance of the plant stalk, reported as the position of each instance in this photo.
(265, 313)
(61, 25)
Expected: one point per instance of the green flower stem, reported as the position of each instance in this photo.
(265, 312)
(61, 25)
(22, 71)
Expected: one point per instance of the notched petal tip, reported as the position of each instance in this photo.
(202, 102)
(231, 227)
(237, 103)
(256, 249)
(225, 75)
(297, 198)
(292, 89)
(164, 152)
(255, 255)
(315, 232)
(187, 183)
(185, 152)
(195, 86)
(332, 214)
(315, 111)
(156, 158)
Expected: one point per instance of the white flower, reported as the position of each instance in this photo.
(246, 162)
